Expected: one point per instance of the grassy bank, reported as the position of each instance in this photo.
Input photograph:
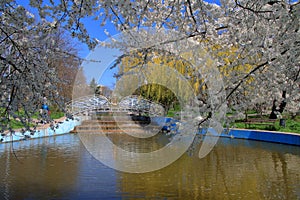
(54, 114)
(291, 125)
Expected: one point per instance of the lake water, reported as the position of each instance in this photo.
(61, 168)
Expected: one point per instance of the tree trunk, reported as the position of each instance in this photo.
(282, 105)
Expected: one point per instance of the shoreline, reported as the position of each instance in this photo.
(249, 134)
(62, 126)
(264, 136)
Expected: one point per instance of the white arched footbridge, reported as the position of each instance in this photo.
(130, 104)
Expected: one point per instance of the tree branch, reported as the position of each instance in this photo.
(250, 9)
(191, 11)
(79, 16)
(245, 77)
(119, 19)
(297, 75)
(10, 63)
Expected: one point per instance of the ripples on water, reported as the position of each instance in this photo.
(61, 168)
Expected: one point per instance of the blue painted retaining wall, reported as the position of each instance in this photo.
(266, 136)
(62, 128)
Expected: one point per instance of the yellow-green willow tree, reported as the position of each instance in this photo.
(134, 62)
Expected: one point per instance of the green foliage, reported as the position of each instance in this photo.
(55, 112)
(173, 111)
(17, 124)
(56, 115)
(157, 93)
(135, 61)
(291, 125)
(251, 112)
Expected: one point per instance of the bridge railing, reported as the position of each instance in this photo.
(87, 103)
(138, 104)
(131, 103)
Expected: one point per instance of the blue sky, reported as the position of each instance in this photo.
(101, 70)
(106, 56)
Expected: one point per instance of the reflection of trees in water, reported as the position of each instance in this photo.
(233, 169)
(139, 145)
(194, 148)
(42, 170)
(282, 162)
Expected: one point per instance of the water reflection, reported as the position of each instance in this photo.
(61, 168)
(40, 169)
(133, 155)
(231, 171)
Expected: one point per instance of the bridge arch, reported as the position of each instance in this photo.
(87, 104)
(130, 104)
